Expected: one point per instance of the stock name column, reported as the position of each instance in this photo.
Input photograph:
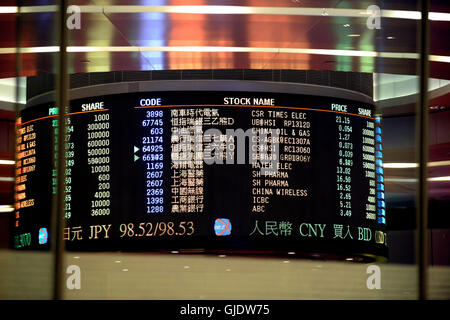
(282, 154)
(25, 164)
(34, 177)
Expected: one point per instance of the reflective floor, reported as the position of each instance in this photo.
(27, 275)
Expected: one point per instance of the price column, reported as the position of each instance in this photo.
(344, 165)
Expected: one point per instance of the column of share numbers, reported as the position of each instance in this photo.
(99, 161)
(368, 153)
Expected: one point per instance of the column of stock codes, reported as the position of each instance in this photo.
(196, 169)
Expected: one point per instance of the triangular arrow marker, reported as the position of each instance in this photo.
(136, 157)
(136, 149)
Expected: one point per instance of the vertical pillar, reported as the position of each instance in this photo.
(59, 199)
(422, 150)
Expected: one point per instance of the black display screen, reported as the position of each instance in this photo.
(221, 170)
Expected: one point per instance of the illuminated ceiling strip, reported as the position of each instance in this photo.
(402, 14)
(400, 180)
(405, 165)
(39, 49)
(333, 12)
(439, 58)
(439, 163)
(29, 50)
(439, 16)
(400, 165)
(8, 50)
(447, 178)
(105, 49)
(290, 11)
(6, 208)
(8, 9)
(412, 180)
(331, 52)
(7, 162)
(39, 9)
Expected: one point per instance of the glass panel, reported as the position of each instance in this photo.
(438, 166)
(287, 259)
(28, 40)
(159, 200)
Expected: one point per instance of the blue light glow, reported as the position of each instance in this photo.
(43, 236)
(152, 33)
